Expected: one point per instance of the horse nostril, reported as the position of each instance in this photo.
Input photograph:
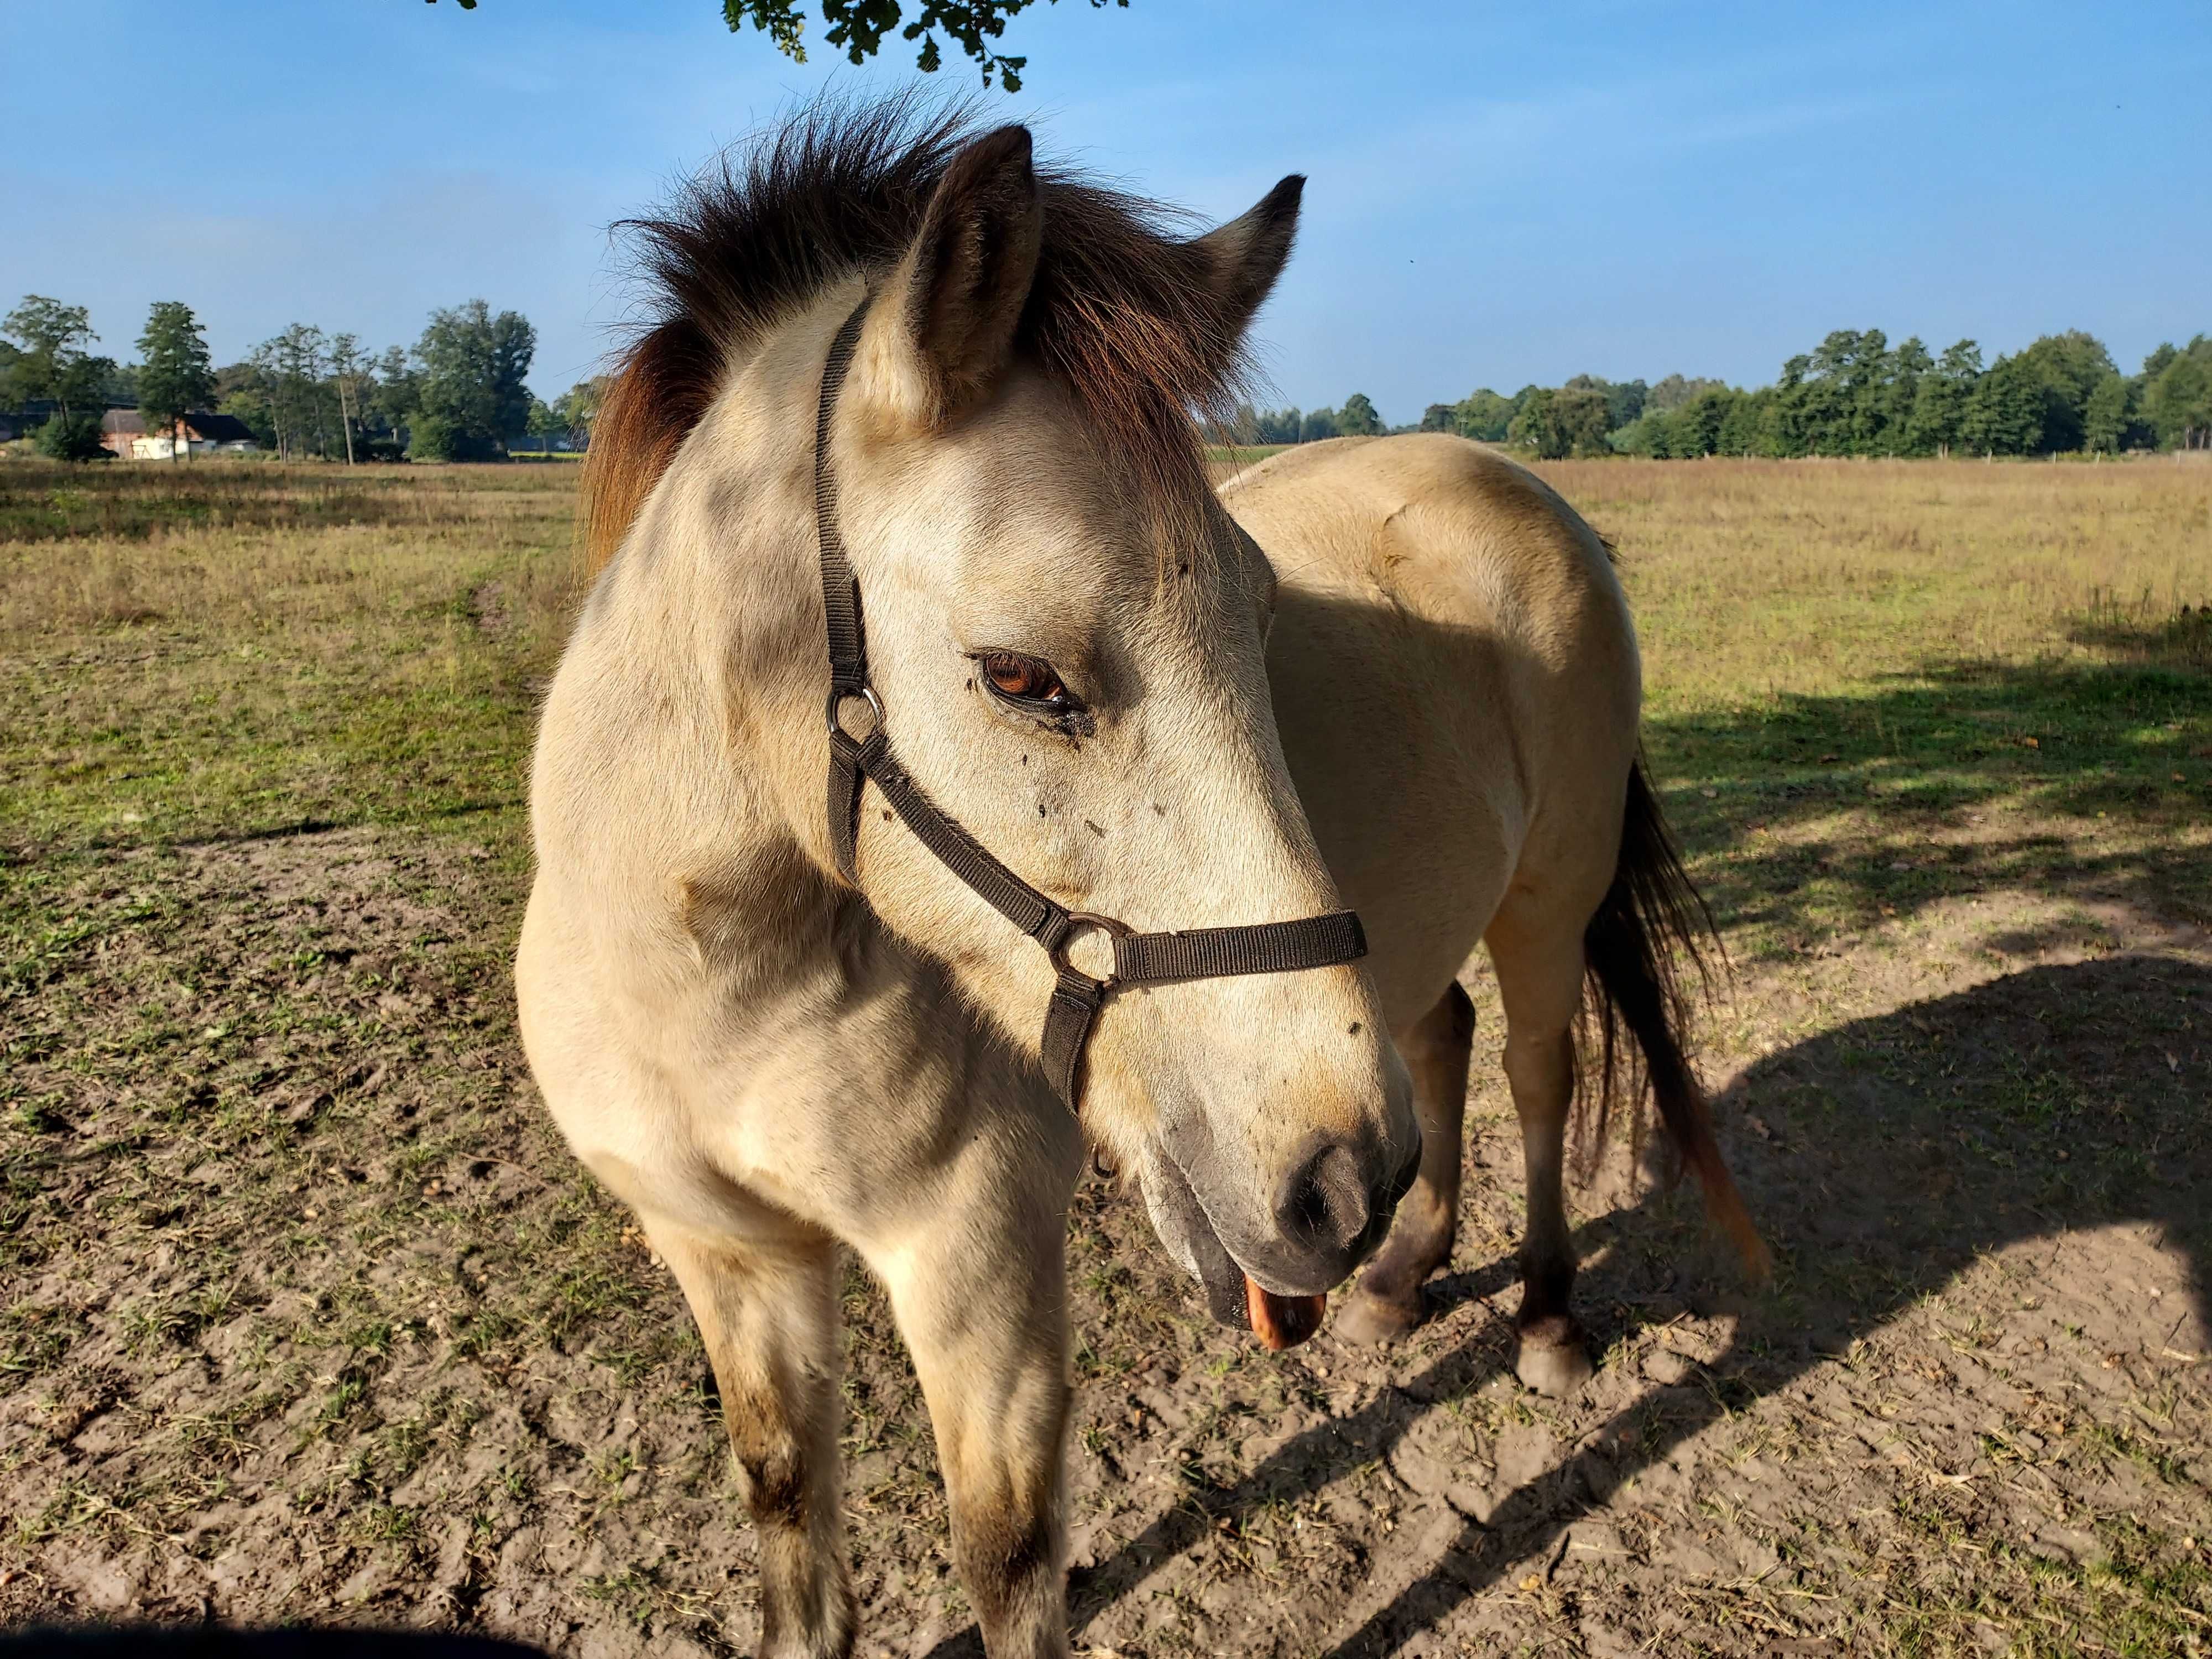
(1324, 1203)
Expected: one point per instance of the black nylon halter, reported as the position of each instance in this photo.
(1270, 947)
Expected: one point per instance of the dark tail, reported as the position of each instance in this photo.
(1652, 920)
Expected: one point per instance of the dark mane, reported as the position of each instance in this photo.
(1124, 312)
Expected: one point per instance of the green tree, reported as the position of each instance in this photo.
(2004, 413)
(240, 394)
(1711, 423)
(71, 438)
(1701, 424)
(290, 373)
(2179, 401)
(177, 376)
(2107, 413)
(471, 395)
(579, 406)
(1531, 426)
(394, 395)
(1674, 390)
(1781, 436)
(1650, 435)
(542, 424)
(1316, 424)
(349, 379)
(1836, 402)
(857, 27)
(1571, 420)
(1482, 415)
(2069, 367)
(1938, 422)
(54, 362)
(1358, 418)
(1908, 365)
(1743, 428)
(1582, 415)
(1624, 399)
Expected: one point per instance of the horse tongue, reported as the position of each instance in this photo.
(1282, 1322)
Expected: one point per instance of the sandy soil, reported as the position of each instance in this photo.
(307, 1314)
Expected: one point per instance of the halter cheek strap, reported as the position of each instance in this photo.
(1271, 947)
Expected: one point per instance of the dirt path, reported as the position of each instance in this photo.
(307, 1315)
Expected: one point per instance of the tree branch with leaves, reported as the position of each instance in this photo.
(857, 27)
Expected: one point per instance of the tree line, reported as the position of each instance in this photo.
(459, 393)
(1357, 419)
(1855, 394)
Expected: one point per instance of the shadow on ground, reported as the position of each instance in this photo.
(2177, 639)
(1816, 816)
(220, 1642)
(1897, 1151)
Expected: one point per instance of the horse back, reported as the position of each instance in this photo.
(1455, 683)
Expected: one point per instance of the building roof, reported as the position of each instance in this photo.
(200, 424)
(218, 428)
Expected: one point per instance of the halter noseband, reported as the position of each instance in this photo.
(1270, 947)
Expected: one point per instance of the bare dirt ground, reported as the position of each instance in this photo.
(313, 1318)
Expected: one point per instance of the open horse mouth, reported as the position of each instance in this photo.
(1233, 1296)
(1281, 1322)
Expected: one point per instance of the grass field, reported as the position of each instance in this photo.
(304, 1312)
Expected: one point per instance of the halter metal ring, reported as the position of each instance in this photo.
(838, 693)
(1077, 921)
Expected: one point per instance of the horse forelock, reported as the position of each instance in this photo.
(1123, 311)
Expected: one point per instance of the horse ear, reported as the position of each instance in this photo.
(1246, 255)
(948, 313)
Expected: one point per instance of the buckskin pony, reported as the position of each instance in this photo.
(905, 490)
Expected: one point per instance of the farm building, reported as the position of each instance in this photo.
(124, 432)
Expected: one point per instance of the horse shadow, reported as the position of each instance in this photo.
(1884, 1158)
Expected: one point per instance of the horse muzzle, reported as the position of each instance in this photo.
(1328, 1215)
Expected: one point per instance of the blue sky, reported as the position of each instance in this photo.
(1497, 195)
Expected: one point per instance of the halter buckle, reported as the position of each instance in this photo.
(1078, 920)
(838, 696)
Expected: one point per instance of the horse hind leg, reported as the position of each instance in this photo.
(1540, 980)
(768, 1316)
(1438, 1049)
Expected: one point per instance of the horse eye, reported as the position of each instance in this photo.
(1027, 679)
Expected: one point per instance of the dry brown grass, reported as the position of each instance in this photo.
(306, 644)
(253, 547)
(1758, 578)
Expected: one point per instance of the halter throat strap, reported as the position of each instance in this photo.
(1269, 947)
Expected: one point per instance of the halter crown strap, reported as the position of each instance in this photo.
(840, 592)
(1269, 947)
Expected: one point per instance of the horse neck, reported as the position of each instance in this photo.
(683, 747)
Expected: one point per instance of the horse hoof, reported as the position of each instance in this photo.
(1557, 1369)
(1369, 1318)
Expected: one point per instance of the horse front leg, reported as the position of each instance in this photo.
(1438, 1049)
(981, 1302)
(768, 1313)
